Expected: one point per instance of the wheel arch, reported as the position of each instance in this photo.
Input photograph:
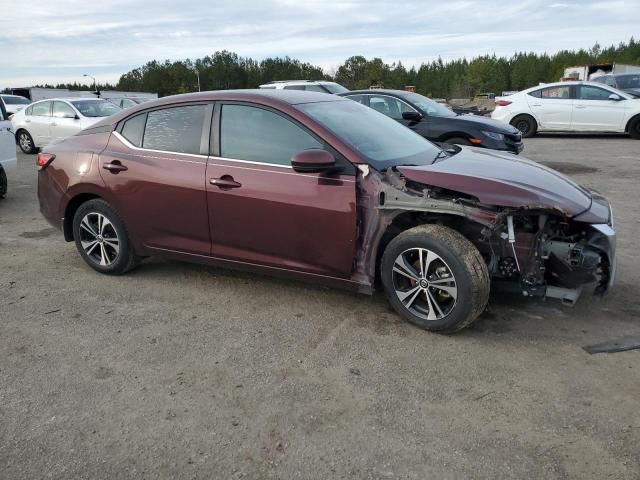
(407, 220)
(70, 210)
(631, 120)
(455, 134)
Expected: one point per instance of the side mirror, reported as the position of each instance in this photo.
(615, 97)
(411, 116)
(313, 160)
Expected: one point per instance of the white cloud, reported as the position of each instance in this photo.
(67, 38)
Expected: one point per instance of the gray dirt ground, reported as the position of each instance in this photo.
(183, 371)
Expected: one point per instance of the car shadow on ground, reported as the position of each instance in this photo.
(506, 314)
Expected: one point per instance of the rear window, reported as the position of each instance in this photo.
(175, 129)
(15, 100)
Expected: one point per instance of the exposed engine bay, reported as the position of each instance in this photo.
(533, 250)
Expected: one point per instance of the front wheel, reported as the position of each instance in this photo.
(435, 278)
(101, 238)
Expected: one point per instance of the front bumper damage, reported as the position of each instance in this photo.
(577, 265)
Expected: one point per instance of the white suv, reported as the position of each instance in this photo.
(308, 85)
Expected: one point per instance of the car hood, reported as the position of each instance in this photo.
(502, 179)
(487, 123)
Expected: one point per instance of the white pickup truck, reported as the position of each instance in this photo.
(8, 158)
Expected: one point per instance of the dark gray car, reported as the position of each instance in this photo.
(437, 123)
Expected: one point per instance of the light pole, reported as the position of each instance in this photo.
(195, 69)
(93, 78)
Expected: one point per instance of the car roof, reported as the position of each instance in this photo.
(69, 99)
(278, 99)
(276, 82)
(379, 91)
(569, 82)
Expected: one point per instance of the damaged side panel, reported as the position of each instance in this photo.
(531, 250)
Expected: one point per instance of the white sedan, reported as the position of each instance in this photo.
(7, 150)
(57, 118)
(13, 103)
(570, 107)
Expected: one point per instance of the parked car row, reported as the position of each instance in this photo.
(322, 188)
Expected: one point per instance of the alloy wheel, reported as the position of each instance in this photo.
(424, 283)
(523, 126)
(25, 142)
(99, 239)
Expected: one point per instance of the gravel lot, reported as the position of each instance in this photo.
(183, 371)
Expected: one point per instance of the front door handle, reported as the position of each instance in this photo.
(114, 167)
(581, 106)
(225, 182)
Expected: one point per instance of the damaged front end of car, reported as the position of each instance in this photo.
(536, 249)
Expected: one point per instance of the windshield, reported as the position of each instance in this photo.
(15, 100)
(428, 106)
(95, 108)
(335, 88)
(628, 81)
(382, 141)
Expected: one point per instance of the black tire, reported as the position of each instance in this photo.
(117, 261)
(458, 141)
(526, 124)
(461, 262)
(3, 182)
(634, 128)
(25, 142)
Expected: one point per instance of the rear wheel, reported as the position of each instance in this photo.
(634, 128)
(526, 124)
(25, 142)
(3, 182)
(101, 238)
(435, 278)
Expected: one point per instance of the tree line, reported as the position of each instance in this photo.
(447, 79)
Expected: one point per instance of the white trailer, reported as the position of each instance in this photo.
(38, 93)
(588, 72)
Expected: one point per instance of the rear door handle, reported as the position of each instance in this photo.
(114, 167)
(225, 182)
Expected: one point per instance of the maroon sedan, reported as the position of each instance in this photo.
(320, 188)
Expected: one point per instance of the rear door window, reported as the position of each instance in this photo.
(42, 109)
(556, 93)
(175, 129)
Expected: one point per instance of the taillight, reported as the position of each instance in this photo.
(44, 159)
(503, 103)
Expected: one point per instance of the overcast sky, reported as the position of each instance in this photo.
(47, 41)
